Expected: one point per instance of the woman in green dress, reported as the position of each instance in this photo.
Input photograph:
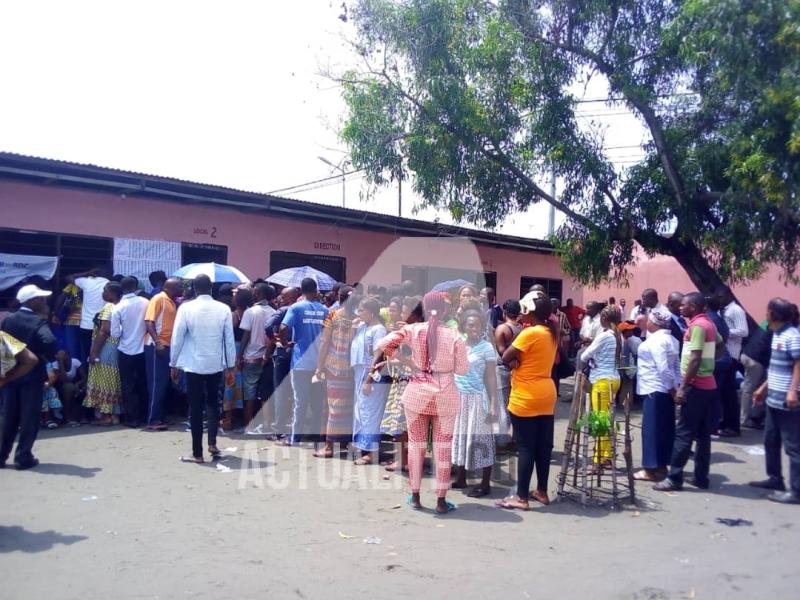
(103, 388)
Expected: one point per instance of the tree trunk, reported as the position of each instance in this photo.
(700, 272)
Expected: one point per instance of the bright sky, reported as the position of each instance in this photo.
(225, 93)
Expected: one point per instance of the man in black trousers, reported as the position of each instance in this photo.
(127, 325)
(23, 397)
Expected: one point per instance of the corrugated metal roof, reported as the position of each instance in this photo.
(46, 170)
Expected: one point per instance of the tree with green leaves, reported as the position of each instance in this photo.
(476, 100)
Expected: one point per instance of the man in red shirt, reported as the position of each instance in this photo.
(574, 316)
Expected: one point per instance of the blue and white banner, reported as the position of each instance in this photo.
(16, 267)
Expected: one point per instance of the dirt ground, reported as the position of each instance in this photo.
(112, 513)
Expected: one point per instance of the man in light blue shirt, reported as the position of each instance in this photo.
(781, 390)
(303, 323)
(203, 347)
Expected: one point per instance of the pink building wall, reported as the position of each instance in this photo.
(664, 274)
(249, 236)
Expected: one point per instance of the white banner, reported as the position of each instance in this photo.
(142, 257)
(16, 267)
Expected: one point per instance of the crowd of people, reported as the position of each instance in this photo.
(451, 371)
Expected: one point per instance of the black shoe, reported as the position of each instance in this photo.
(27, 465)
(668, 486)
(728, 433)
(133, 424)
(784, 497)
(769, 484)
(693, 482)
(751, 424)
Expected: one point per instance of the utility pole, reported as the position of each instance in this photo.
(399, 197)
(340, 167)
(551, 221)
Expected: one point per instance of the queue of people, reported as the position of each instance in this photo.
(451, 370)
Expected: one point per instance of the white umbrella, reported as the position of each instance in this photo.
(217, 273)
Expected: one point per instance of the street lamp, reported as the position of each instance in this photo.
(340, 168)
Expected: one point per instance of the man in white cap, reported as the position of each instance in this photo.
(24, 395)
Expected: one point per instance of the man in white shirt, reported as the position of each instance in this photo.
(91, 284)
(127, 324)
(256, 378)
(736, 320)
(590, 324)
(203, 347)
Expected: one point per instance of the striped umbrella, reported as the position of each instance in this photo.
(217, 273)
(293, 276)
(452, 284)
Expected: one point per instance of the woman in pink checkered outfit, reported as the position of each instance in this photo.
(431, 398)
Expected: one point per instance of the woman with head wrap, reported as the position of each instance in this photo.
(658, 377)
(532, 401)
(431, 398)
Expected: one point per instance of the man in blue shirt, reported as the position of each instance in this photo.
(303, 323)
(783, 408)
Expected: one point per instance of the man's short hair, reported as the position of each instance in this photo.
(696, 299)
(202, 284)
(308, 286)
(157, 277)
(265, 291)
(129, 284)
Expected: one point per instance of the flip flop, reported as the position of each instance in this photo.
(408, 501)
(450, 508)
(505, 503)
(643, 475)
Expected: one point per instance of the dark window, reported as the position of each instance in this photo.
(203, 253)
(490, 277)
(335, 266)
(553, 287)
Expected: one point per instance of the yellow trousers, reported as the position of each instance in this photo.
(603, 391)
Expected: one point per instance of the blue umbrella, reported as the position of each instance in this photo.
(293, 276)
(217, 273)
(449, 285)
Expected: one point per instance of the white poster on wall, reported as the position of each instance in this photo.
(142, 257)
(16, 267)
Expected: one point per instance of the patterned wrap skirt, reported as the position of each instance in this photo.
(340, 408)
(473, 438)
(103, 386)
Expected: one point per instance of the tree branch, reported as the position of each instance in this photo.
(496, 155)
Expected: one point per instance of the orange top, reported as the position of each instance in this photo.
(161, 310)
(533, 392)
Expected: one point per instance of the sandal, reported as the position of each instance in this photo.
(193, 459)
(645, 475)
(323, 453)
(364, 460)
(512, 502)
(540, 497)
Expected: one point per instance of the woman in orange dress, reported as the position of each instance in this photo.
(532, 401)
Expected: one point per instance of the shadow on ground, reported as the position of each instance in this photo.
(17, 538)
